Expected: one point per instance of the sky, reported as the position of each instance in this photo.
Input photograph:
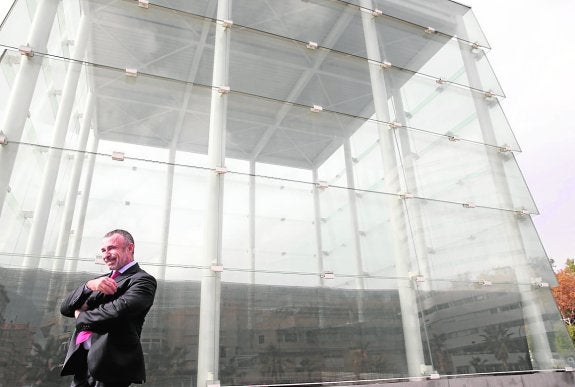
(533, 55)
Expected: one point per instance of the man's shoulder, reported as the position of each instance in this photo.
(141, 273)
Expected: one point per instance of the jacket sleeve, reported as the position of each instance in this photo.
(74, 300)
(137, 298)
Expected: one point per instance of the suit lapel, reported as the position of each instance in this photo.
(128, 273)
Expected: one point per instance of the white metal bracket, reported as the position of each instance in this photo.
(469, 205)
(118, 156)
(405, 195)
(316, 108)
(453, 138)
(221, 170)
(131, 72)
(430, 30)
(26, 50)
(311, 45)
(416, 277)
(144, 3)
(522, 212)
(377, 12)
(484, 283)
(504, 149)
(385, 65)
(322, 184)
(394, 125)
(327, 275)
(3, 139)
(538, 283)
(223, 90)
(489, 95)
(217, 268)
(226, 23)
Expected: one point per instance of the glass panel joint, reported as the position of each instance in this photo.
(221, 170)
(131, 72)
(223, 90)
(217, 268)
(385, 64)
(538, 283)
(328, 275)
(311, 45)
(26, 51)
(118, 156)
(226, 23)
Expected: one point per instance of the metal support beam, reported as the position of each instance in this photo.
(22, 91)
(406, 289)
(79, 229)
(540, 348)
(73, 184)
(44, 202)
(208, 344)
(360, 283)
(415, 214)
(319, 245)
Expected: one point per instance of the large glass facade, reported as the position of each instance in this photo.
(325, 190)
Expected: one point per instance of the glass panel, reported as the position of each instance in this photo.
(443, 15)
(329, 23)
(127, 194)
(281, 332)
(179, 45)
(476, 244)
(463, 172)
(313, 77)
(497, 328)
(425, 104)
(36, 334)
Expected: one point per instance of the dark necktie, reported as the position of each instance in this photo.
(85, 335)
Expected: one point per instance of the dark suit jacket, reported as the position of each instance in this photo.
(116, 322)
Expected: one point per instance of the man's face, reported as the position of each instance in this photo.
(116, 252)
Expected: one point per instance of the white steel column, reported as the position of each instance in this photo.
(208, 342)
(79, 229)
(406, 288)
(537, 334)
(44, 202)
(18, 103)
(166, 219)
(72, 194)
(416, 215)
(319, 245)
(360, 283)
(252, 246)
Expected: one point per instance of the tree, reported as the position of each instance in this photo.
(564, 295)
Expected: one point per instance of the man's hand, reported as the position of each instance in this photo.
(104, 285)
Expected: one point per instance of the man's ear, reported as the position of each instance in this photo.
(131, 248)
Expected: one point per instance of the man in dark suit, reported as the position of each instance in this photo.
(105, 349)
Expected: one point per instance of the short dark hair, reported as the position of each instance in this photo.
(128, 238)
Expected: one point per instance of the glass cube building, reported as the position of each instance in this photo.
(326, 190)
